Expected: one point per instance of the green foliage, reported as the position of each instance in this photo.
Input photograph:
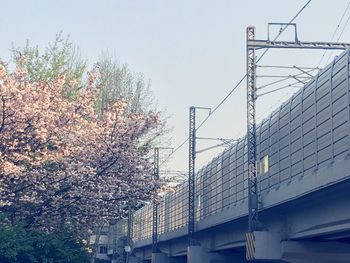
(61, 57)
(115, 80)
(19, 245)
(118, 81)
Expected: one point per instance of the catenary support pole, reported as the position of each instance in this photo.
(155, 204)
(191, 175)
(253, 220)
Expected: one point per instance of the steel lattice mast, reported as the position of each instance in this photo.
(129, 232)
(155, 204)
(251, 133)
(252, 46)
(191, 175)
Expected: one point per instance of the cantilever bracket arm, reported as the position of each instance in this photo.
(260, 44)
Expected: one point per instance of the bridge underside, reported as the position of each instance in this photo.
(314, 228)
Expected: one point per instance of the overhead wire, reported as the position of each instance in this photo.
(284, 67)
(318, 66)
(283, 28)
(334, 33)
(281, 80)
(345, 25)
(340, 35)
(274, 106)
(307, 71)
(279, 88)
(331, 53)
(208, 116)
(284, 76)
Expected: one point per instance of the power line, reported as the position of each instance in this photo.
(274, 106)
(341, 33)
(221, 102)
(212, 112)
(283, 87)
(282, 80)
(285, 67)
(334, 33)
(238, 83)
(284, 76)
(283, 29)
(346, 23)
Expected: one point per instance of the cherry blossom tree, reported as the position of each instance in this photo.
(115, 80)
(61, 163)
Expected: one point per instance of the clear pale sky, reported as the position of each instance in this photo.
(192, 51)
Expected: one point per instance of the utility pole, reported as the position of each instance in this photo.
(155, 202)
(253, 223)
(253, 45)
(129, 233)
(191, 174)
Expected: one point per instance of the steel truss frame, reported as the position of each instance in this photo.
(253, 45)
(155, 204)
(191, 175)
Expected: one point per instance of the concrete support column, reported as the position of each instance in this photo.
(133, 259)
(164, 258)
(315, 252)
(299, 261)
(160, 258)
(198, 254)
(264, 245)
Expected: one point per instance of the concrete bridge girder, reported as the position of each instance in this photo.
(199, 254)
(269, 246)
(164, 258)
(322, 217)
(320, 252)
